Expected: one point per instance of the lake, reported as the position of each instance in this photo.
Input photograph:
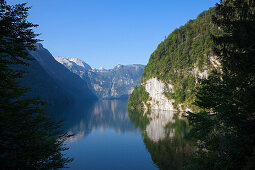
(106, 136)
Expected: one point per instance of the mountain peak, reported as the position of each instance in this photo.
(118, 66)
(71, 62)
(101, 68)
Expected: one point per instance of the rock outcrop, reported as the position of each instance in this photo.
(175, 67)
(156, 90)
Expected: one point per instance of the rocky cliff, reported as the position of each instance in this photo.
(156, 89)
(175, 67)
(106, 83)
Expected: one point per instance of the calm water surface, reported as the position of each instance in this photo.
(107, 137)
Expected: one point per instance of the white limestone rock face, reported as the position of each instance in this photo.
(214, 61)
(198, 74)
(156, 90)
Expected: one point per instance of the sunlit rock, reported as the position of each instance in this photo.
(156, 90)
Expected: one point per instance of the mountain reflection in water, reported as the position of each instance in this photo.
(83, 118)
(107, 136)
(104, 137)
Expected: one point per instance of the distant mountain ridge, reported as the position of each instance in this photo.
(106, 83)
(52, 81)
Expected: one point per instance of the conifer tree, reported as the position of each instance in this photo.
(224, 131)
(28, 138)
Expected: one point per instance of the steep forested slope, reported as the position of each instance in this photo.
(177, 63)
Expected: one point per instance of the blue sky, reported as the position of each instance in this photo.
(110, 32)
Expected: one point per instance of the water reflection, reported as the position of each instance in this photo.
(165, 136)
(156, 130)
(104, 137)
(83, 118)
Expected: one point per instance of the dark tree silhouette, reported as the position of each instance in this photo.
(225, 130)
(28, 138)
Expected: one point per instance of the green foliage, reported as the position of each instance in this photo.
(28, 138)
(138, 98)
(175, 58)
(224, 130)
(136, 102)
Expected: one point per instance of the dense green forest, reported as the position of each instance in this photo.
(225, 125)
(176, 58)
(224, 120)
